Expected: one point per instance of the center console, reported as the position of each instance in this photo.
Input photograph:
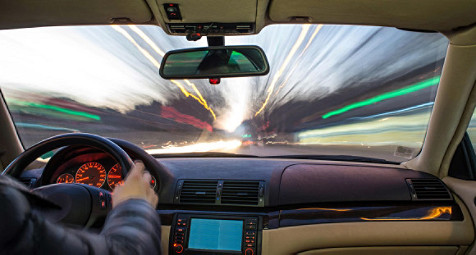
(216, 235)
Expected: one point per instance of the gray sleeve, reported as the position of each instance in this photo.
(133, 227)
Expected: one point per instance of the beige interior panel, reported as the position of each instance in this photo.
(423, 250)
(292, 240)
(261, 14)
(450, 115)
(34, 13)
(466, 191)
(202, 11)
(439, 15)
(164, 241)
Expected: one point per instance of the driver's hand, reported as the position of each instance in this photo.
(136, 185)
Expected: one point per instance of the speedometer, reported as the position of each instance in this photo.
(91, 173)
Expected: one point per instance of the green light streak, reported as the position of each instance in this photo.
(399, 92)
(54, 108)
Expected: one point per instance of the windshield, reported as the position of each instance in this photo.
(332, 90)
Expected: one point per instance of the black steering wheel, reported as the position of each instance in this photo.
(80, 204)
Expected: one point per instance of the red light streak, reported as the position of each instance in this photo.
(171, 113)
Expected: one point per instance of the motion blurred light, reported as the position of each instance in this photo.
(399, 92)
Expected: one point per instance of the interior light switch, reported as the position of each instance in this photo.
(172, 11)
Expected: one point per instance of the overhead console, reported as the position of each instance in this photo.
(212, 28)
(212, 17)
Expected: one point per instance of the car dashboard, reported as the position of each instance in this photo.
(239, 205)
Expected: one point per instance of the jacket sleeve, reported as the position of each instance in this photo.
(133, 227)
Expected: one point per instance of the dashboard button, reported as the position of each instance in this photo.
(251, 227)
(178, 248)
(249, 251)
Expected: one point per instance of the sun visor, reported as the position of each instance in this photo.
(443, 15)
(34, 13)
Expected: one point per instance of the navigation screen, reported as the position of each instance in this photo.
(209, 234)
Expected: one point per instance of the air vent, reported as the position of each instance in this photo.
(242, 192)
(428, 189)
(198, 192)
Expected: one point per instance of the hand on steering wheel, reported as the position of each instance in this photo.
(136, 186)
(85, 205)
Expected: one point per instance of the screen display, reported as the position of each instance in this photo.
(211, 234)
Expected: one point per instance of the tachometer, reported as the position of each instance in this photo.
(114, 176)
(91, 173)
(65, 178)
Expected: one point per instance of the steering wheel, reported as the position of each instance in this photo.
(80, 204)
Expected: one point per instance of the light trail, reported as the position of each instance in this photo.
(156, 48)
(298, 43)
(40, 126)
(147, 39)
(399, 92)
(202, 100)
(157, 64)
(432, 214)
(230, 145)
(142, 50)
(171, 113)
(409, 109)
(54, 108)
(188, 94)
(318, 28)
(406, 130)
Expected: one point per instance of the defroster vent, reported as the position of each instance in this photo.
(428, 189)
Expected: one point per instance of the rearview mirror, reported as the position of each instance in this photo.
(214, 62)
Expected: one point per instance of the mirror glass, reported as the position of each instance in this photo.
(225, 61)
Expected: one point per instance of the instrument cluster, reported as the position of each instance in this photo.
(106, 175)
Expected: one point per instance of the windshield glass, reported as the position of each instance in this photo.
(332, 90)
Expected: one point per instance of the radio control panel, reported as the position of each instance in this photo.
(216, 235)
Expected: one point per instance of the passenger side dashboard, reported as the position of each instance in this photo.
(326, 207)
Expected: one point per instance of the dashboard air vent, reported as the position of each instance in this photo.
(428, 189)
(198, 191)
(241, 192)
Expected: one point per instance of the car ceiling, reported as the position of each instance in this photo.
(443, 15)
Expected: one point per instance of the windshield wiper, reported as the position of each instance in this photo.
(338, 158)
(203, 154)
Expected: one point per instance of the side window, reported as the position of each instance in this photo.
(472, 130)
